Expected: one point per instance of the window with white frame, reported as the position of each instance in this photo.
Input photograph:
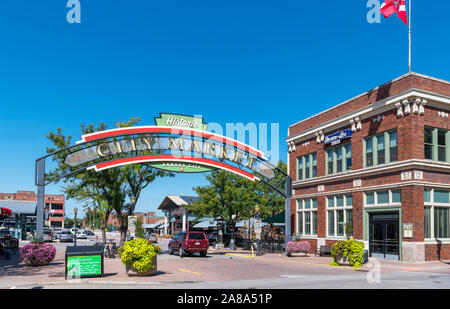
(307, 217)
(338, 159)
(339, 212)
(380, 149)
(437, 144)
(436, 213)
(383, 198)
(307, 166)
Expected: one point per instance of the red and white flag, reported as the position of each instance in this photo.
(390, 7)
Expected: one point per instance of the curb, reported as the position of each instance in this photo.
(95, 282)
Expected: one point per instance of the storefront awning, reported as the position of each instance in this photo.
(20, 207)
(206, 224)
(277, 219)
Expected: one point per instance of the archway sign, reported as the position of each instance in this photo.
(177, 143)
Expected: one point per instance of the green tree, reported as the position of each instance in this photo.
(107, 190)
(270, 201)
(234, 198)
(136, 178)
(228, 196)
(100, 190)
(68, 222)
(139, 230)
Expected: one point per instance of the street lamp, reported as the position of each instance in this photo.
(257, 229)
(75, 210)
(133, 204)
(219, 242)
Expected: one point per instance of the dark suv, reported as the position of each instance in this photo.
(188, 243)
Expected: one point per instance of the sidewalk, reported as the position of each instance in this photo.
(172, 270)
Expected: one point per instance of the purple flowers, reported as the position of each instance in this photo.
(36, 254)
(298, 247)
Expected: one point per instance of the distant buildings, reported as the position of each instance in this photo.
(54, 206)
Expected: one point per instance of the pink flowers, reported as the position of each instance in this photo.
(36, 254)
(298, 247)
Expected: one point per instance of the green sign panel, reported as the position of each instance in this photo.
(181, 167)
(183, 121)
(89, 265)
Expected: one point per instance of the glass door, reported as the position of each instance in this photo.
(392, 240)
(376, 243)
(384, 239)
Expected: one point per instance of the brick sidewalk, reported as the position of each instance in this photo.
(13, 273)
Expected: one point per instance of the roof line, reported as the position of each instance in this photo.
(369, 91)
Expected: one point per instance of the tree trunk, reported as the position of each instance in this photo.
(104, 233)
(123, 221)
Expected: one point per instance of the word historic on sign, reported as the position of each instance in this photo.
(184, 121)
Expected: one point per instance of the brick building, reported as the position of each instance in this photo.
(54, 205)
(382, 162)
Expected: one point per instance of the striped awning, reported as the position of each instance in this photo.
(20, 207)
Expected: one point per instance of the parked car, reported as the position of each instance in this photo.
(89, 233)
(57, 235)
(81, 235)
(7, 240)
(188, 243)
(151, 238)
(5, 234)
(66, 236)
(47, 235)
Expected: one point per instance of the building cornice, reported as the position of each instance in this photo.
(406, 165)
(410, 95)
(374, 188)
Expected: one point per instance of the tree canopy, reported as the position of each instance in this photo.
(107, 190)
(234, 198)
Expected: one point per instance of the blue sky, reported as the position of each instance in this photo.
(261, 61)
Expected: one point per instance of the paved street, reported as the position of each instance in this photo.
(227, 270)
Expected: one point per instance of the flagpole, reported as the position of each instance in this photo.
(409, 23)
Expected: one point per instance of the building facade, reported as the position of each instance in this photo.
(54, 206)
(177, 217)
(377, 167)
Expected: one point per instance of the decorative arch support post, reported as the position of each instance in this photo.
(287, 211)
(40, 183)
(177, 143)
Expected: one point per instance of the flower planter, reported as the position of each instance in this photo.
(302, 247)
(37, 254)
(297, 253)
(130, 271)
(342, 261)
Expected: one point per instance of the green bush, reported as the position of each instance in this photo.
(350, 250)
(138, 254)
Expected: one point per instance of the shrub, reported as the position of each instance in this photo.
(350, 250)
(37, 254)
(138, 254)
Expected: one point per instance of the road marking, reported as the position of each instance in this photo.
(188, 271)
(241, 255)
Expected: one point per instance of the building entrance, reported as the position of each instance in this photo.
(384, 239)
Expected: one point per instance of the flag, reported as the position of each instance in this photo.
(390, 7)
